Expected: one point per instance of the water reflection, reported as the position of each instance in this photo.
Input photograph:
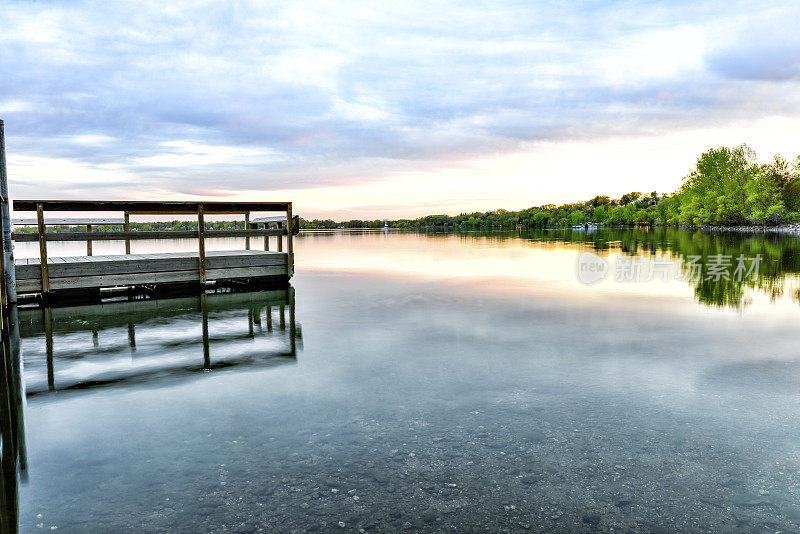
(780, 257)
(424, 403)
(150, 341)
(12, 428)
(531, 256)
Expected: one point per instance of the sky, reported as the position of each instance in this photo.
(388, 109)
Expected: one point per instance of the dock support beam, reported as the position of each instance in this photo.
(247, 227)
(42, 249)
(201, 237)
(88, 241)
(9, 285)
(289, 245)
(126, 227)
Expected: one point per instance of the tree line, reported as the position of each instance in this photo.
(727, 187)
(140, 227)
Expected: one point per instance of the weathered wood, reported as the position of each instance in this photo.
(266, 237)
(149, 207)
(3, 223)
(289, 235)
(45, 280)
(137, 263)
(3, 290)
(201, 232)
(163, 277)
(71, 275)
(68, 222)
(143, 269)
(8, 286)
(126, 227)
(247, 227)
(119, 236)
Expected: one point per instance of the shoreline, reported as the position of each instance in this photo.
(785, 229)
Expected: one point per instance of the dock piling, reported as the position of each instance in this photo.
(42, 249)
(247, 227)
(9, 285)
(289, 243)
(126, 227)
(201, 238)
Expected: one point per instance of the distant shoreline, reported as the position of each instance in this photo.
(787, 228)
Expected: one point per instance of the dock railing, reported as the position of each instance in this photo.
(255, 228)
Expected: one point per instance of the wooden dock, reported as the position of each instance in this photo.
(62, 279)
(85, 272)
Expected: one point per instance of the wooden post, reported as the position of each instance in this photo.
(269, 318)
(3, 289)
(280, 238)
(247, 227)
(9, 275)
(282, 317)
(266, 237)
(42, 250)
(88, 241)
(201, 237)
(289, 244)
(126, 227)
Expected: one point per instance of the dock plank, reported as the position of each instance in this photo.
(140, 269)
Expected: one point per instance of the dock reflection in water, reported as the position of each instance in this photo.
(12, 428)
(137, 342)
(146, 341)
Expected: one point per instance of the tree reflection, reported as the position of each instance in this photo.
(780, 257)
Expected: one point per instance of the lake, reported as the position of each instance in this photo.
(557, 381)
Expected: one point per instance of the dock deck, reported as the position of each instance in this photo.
(80, 278)
(90, 272)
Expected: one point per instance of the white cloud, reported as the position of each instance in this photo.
(188, 154)
(317, 94)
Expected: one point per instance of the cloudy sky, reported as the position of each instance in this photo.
(388, 109)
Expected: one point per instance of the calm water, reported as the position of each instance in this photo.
(428, 383)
